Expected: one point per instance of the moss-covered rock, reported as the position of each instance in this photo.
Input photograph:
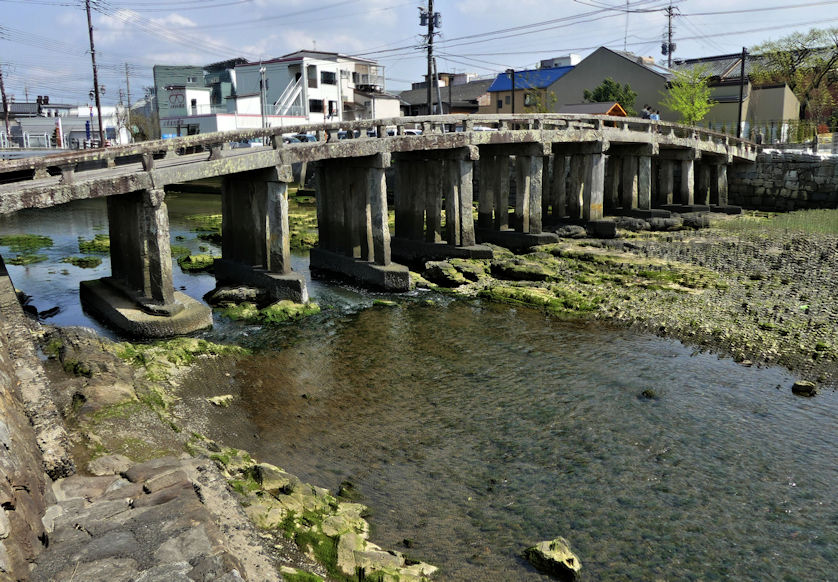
(278, 312)
(444, 274)
(83, 262)
(196, 263)
(100, 243)
(25, 244)
(555, 558)
(518, 269)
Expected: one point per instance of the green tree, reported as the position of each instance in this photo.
(610, 90)
(805, 61)
(688, 94)
(540, 101)
(144, 128)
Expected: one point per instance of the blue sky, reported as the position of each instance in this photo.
(44, 43)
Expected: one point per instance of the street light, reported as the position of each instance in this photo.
(511, 73)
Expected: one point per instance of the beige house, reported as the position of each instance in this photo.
(765, 108)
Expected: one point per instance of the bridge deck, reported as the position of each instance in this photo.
(52, 180)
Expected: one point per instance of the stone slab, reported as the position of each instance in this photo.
(514, 240)
(411, 250)
(392, 277)
(647, 213)
(726, 209)
(114, 309)
(288, 286)
(682, 208)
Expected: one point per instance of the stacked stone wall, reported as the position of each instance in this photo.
(785, 181)
(23, 481)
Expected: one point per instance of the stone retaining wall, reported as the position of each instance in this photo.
(785, 181)
(23, 482)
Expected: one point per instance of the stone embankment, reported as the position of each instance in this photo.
(785, 181)
(213, 515)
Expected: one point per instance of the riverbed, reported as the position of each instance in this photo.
(473, 429)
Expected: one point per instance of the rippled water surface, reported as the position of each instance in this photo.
(473, 430)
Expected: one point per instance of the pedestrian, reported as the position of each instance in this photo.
(646, 112)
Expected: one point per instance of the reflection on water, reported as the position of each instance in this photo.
(473, 430)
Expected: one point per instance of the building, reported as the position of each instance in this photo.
(767, 107)
(460, 93)
(520, 91)
(300, 87)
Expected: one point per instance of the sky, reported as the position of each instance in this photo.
(44, 44)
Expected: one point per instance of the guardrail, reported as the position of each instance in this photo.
(367, 129)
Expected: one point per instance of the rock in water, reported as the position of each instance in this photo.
(804, 388)
(223, 401)
(554, 557)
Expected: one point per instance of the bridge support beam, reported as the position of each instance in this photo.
(428, 183)
(529, 184)
(612, 183)
(720, 189)
(255, 235)
(688, 182)
(139, 297)
(352, 220)
(554, 205)
(667, 182)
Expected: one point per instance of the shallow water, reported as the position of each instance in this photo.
(474, 430)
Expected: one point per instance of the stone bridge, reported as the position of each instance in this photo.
(561, 168)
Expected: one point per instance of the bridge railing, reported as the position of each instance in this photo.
(66, 164)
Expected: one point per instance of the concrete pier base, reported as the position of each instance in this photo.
(290, 285)
(411, 251)
(390, 277)
(514, 240)
(111, 305)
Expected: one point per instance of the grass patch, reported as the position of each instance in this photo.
(83, 262)
(25, 244)
(100, 243)
(767, 224)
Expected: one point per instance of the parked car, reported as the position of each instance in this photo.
(343, 134)
(290, 139)
(306, 137)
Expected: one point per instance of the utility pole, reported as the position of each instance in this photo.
(95, 75)
(668, 47)
(262, 97)
(511, 73)
(5, 104)
(432, 20)
(741, 92)
(128, 97)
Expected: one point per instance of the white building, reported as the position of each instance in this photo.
(301, 87)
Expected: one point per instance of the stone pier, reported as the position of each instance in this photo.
(428, 185)
(139, 297)
(255, 236)
(527, 163)
(352, 221)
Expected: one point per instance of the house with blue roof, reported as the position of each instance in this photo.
(565, 86)
(528, 88)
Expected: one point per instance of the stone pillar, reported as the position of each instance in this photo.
(576, 186)
(630, 183)
(612, 183)
(279, 233)
(558, 187)
(644, 182)
(377, 211)
(688, 182)
(667, 183)
(702, 195)
(501, 192)
(528, 193)
(433, 200)
(459, 220)
(720, 183)
(594, 186)
(486, 195)
(141, 258)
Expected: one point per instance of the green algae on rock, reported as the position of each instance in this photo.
(332, 531)
(195, 263)
(83, 262)
(278, 312)
(25, 243)
(100, 243)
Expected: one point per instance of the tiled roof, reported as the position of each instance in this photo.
(532, 79)
(654, 67)
(461, 95)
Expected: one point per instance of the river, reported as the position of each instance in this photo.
(473, 430)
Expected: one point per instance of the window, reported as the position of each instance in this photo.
(328, 78)
(311, 75)
(500, 104)
(506, 100)
(315, 105)
(191, 79)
